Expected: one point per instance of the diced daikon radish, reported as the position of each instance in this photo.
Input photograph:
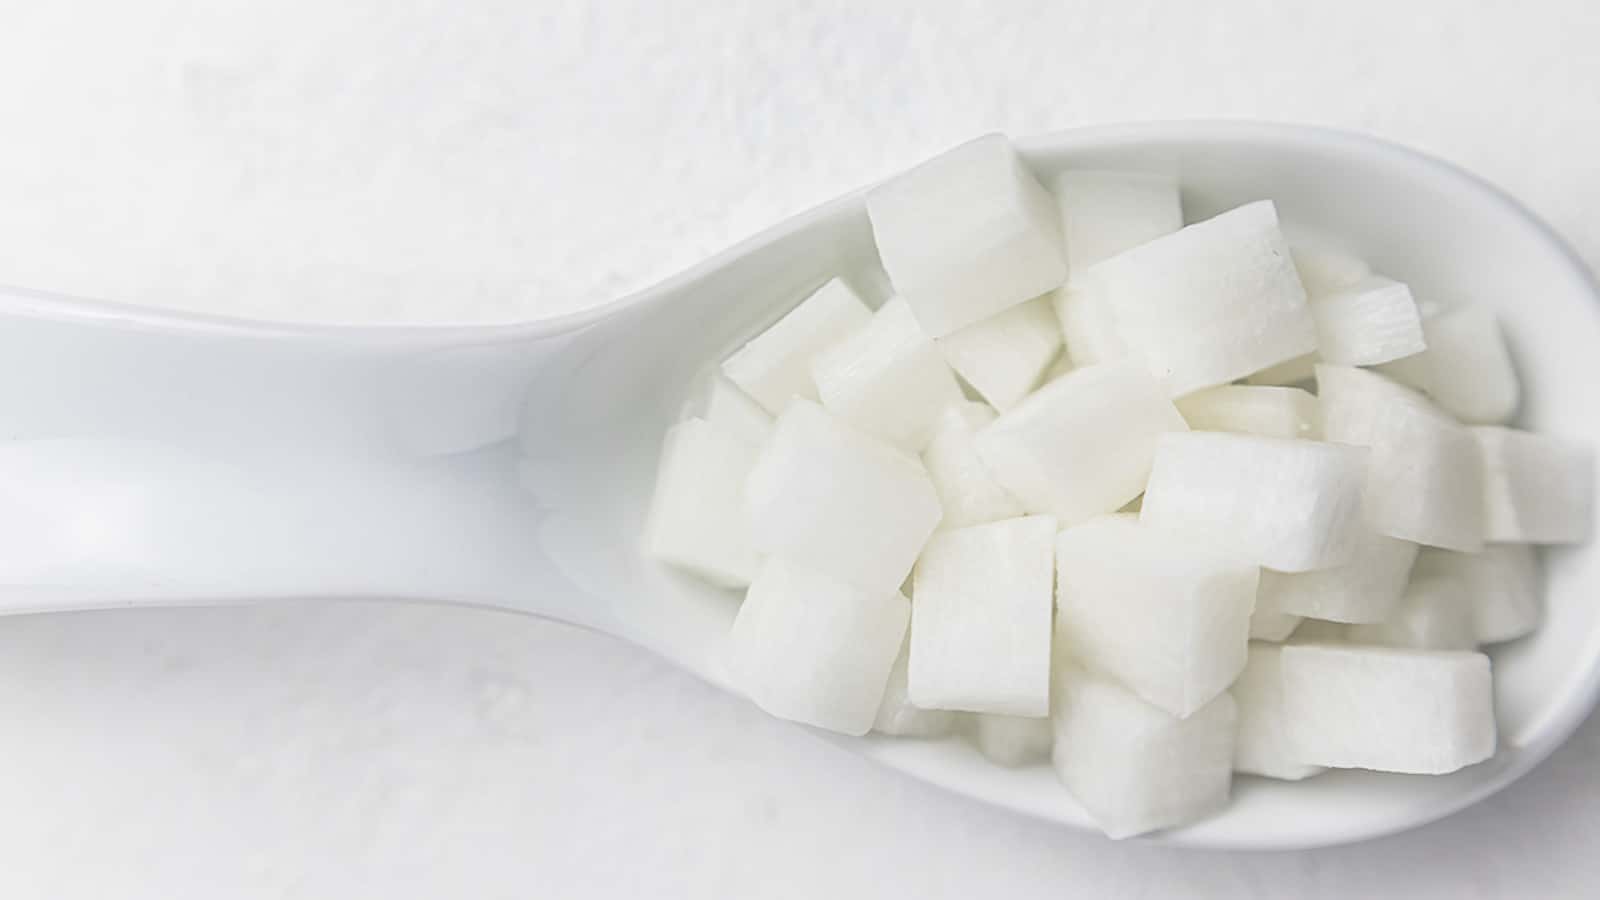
(1087, 327)
(1268, 411)
(1323, 263)
(736, 412)
(1291, 505)
(887, 379)
(1466, 369)
(1105, 211)
(697, 519)
(1365, 589)
(980, 630)
(1318, 631)
(1211, 303)
(1425, 712)
(1434, 614)
(1502, 584)
(1538, 489)
(898, 716)
(830, 498)
(1469, 368)
(1268, 621)
(1135, 767)
(1364, 394)
(1262, 746)
(1295, 371)
(1334, 558)
(1414, 371)
(967, 234)
(1369, 322)
(1164, 615)
(1014, 740)
(775, 367)
(1004, 356)
(809, 648)
(967, 491)
(1425, 475)
(1082, 444)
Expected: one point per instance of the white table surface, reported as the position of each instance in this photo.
(499, 160)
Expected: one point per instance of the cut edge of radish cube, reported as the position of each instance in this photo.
(887, 378)
(1003, 246)
(1372, 321)
(697, 519)
(812, 649)
(774, 367)
(1290, 505)
(980, 629)
(1005, 356)
(1211, 303)
(1135, 767)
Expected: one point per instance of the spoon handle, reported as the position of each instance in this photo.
(155, 458)
(110, 522)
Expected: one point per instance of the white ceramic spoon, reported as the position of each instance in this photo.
(160, 458)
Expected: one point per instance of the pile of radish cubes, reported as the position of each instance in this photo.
(1156, 502)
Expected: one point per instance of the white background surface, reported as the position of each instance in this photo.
(498, 160)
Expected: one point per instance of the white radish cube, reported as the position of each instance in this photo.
(980, 630)
(1292, 372)
(1104, 212)
(1355, 398)
(812, 649)
(1468, 369)
(1290, 505)
(1425, 712)
(1503, 586)
(967, 234)
(887, 379)
(1211, 303)
(736, 412)
(1372, 321)
(1014, 740)
(775, 367)
(1425, 475)
(1368, 588)
(898, 716)
(1434, 614)
(1161, 614)
(1134, 767)
(1415, 371)
(1268, 620)
(1262, 745)
(1082, 444)
(1267, 411)
(967, 490)
(1538, 489)
(697, 520)
(1004, 356)
(1322, 264)
(830, 498)
(1088, 328)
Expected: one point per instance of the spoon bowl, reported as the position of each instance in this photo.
(155, 457)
